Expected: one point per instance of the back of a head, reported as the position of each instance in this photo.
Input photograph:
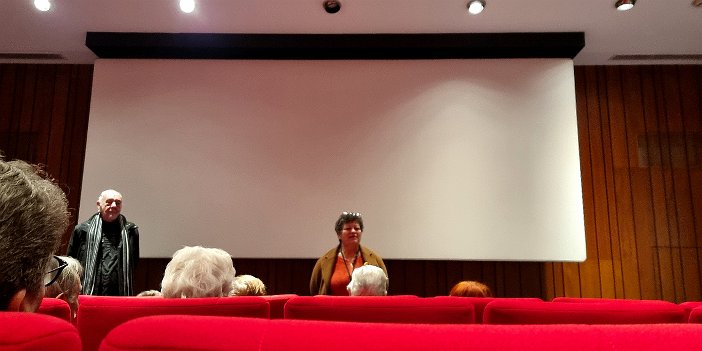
(34, 217)
(149, 293)
(368, 280)
(247, 285)
(470, 288)
(67, 285)
(196, 271)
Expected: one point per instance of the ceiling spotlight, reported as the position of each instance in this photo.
(42, 5)
(331, 6)
(476, 6)
(623, 5)
(187, 6)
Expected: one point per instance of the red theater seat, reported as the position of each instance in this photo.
(99, 314)
(55, 307)
(695, 315)
(479, 303)
(584, 299)
(206, 333)
(277, 304)
(35, 331)
(388, 309)
(612, 312)
(689, 306)
(595, 299)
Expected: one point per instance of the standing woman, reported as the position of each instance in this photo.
(332, 272)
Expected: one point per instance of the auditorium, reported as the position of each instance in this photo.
(550, 151)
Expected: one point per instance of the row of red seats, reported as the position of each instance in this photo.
(28, 331)
(99, 315)
(190, 333)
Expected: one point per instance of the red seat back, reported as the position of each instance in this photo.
(191, 333)
(389, 309)
(534, 312)
(277, 303)
(56, 307)
(689, 306)
(98, 315)
(695, 315)
(595, 299)
(36, 331)
(479, 303)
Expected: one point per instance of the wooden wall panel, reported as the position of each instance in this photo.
(641, 124)
(44, 120)
(640, 135)
(639, 183)
(622, 206)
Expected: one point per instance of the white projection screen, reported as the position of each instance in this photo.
(445, 159)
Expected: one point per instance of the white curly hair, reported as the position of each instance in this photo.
(196, 271)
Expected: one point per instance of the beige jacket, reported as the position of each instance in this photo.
(324, 268)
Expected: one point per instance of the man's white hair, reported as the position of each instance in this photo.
(104, 193)
(368, 280)
(196, 271)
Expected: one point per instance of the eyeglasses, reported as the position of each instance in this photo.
(51, 276)
(350, 214)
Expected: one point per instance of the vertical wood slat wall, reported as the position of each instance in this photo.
(640, 130)
(640, 134)
(44, 120)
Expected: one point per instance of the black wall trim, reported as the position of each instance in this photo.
(334, 46)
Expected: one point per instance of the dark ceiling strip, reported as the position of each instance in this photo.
(656, 57)
(334, 46)
(29, 56)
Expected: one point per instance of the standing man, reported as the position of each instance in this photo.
(108, 248)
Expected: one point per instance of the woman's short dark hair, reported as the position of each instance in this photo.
(347, 217)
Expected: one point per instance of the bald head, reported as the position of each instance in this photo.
(109, 204)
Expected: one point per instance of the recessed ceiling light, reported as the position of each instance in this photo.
(624, 5)
(42, 5)
(331, 6)
(187, 6)
(476, 6)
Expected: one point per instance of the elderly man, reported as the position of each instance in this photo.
(196, 271)
(107, 246)
(34, 217)
(368, 280)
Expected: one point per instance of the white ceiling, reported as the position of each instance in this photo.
(653, 27)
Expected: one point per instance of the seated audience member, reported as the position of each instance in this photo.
(34, 217)
(196, 271)
(470, 288)
(247, 285)
(368, 280)
(149, 293)
(67, 286)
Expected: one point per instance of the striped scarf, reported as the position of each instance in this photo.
(91, 260)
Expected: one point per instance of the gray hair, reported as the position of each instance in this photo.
(103, 194)
(247, 285)
(149, 293)
(196, 271)
(67, 285)
(34, 218)
(368, 280)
